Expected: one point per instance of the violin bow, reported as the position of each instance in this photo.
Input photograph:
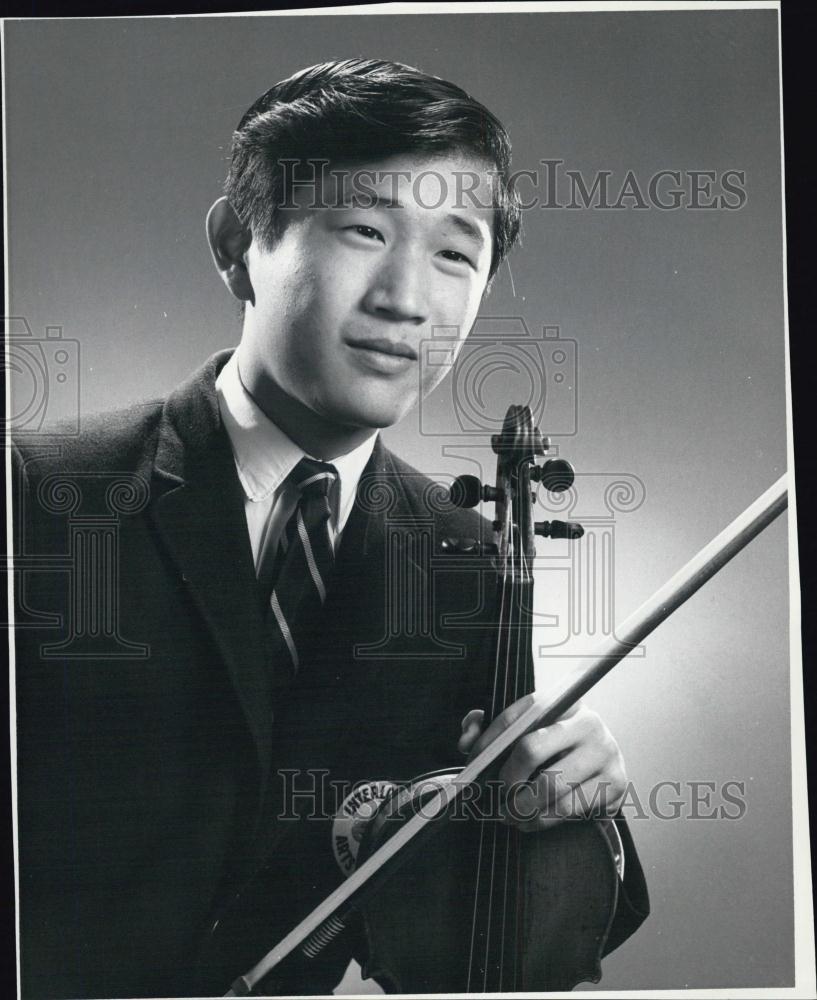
(539, 709)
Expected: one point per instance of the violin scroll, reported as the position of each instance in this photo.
(517, 448)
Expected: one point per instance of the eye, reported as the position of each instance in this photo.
(456, 257)
(368, 232)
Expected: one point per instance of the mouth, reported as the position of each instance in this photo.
(381, 345)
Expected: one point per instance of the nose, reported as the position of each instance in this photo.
(398, 290)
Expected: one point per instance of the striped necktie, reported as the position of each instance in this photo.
(305, 562)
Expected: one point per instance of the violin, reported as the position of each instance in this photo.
(510, 912)
(501, 911)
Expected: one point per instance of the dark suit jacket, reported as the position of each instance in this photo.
(157, 741)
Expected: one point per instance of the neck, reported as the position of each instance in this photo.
(316, 435)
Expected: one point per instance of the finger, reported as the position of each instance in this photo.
(543, 747)
(501, 723)
(509, 716)
(594, 804)
(553, 787)
(581, 790)
(471, 728)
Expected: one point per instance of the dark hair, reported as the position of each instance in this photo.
(360, 111)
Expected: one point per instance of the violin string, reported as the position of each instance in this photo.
(474, 917)
(502, 938)
(516, 567)
(512, 656)
(520, 687)
(513, 647)
(524, 684)
(522, 576)
(503, 598)
(510, 636)
(490, 913)
(500, 644)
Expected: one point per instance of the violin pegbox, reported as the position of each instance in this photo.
(517, 447)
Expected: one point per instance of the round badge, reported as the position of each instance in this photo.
(355, 812)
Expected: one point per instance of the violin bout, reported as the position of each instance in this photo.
(485, 908)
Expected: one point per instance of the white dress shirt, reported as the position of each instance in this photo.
(265, 456)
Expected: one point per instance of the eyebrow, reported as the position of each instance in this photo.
(466, 228)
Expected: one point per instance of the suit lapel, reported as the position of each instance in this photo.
(200, 516)
(381, 506)
(360, 644)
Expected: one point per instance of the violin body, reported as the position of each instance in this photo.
(482, 907)
(548, 932)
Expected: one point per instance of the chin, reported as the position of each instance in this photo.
(373, 416)
(373, 410)
(377, 421)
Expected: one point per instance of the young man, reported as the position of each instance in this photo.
(252, 520)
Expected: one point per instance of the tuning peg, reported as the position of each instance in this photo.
(556, 475)
(467, 547)
(468, 491)
(558, 529)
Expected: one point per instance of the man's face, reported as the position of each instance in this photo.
(346, 297)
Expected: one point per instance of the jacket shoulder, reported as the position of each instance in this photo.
(109, 442)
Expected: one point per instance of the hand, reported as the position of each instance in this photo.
(570, 769)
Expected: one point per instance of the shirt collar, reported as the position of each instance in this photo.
(265, 456)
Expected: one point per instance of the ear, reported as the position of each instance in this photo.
(229, 240)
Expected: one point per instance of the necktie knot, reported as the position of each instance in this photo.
(314, 479)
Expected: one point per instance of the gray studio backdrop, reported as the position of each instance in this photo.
(669, 378)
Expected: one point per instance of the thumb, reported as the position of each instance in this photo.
(471, 728)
